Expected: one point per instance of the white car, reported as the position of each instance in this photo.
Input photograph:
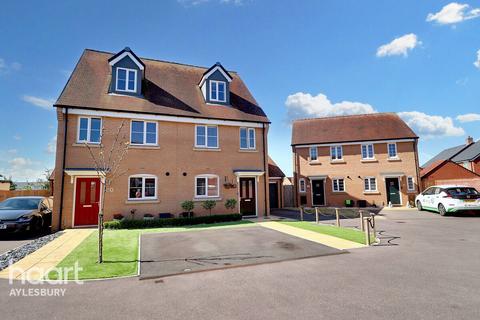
(448, 198)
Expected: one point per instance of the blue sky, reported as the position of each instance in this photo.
(299, 59)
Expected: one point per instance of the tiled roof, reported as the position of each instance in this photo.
(366, 127)
(468, 154)
(274, 170)
(446, 154)
(432, 166)
(168, 88)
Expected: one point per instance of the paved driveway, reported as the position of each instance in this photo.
(9, 242)
(430, 270)
(183, 252)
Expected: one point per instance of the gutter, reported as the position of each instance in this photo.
(63, 169)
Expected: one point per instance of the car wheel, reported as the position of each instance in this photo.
(37, 225)
(419, 206)
(442, 210)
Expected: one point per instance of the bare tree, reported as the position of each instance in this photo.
(107, 162)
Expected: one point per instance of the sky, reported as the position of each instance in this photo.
(300, 59)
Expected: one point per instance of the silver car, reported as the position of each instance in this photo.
(25, 214)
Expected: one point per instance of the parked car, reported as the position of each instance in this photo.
(446, 199)
(25, 214)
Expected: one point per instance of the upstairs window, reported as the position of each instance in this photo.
(217, 91)
(313, 154)
(367, 152)
(207, 186)
(126, 80)
(89, 130)
(247, 138)
(143, 133)
(392, 150)
(336, 153)
(206, 136)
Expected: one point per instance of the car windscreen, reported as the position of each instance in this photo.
(20, 204)
(462, 191)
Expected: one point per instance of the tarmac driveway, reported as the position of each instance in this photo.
(185, 252)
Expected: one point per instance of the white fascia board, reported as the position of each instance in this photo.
(154, 117)
(352, 143)
(249, 173)
(206, 76)
(123, 55)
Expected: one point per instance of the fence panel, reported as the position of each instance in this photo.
(4, 194)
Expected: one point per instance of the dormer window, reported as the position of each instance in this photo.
(126, 80)
(217, 91)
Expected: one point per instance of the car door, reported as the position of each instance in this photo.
(436, 197)
(425, 199)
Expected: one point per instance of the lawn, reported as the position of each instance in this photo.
(343, 233)
(120, 251)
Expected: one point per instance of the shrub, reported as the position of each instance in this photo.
(230, 204)
(170, 222)
(188, 206)
(209, 205)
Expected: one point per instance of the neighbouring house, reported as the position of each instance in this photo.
(276, 177)
(5, 185)
(447, 172)
(370, 160)
(194, 133)
(466, 154)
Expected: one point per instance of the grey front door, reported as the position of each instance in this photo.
(318, 193)
(393, 190)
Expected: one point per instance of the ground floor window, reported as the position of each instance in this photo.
(410, 184)
(370, 184)
(301, 185)
(142, 187)
(338, 185)
(206, 186)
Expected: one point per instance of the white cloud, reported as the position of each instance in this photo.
(12, 151)
(52, 145)
(399, 46)
(7, 67)
(23, 169)
(429, 126)
(17, 137)
(469, 117)
(477, 62)
(304, 105)
(39, 102)
(453, 13)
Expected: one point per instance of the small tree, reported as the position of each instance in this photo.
(209, 205)
(188, 206)
(230, 204)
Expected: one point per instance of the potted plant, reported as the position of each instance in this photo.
(187, 206)
(118, 216)
(230, 204)
(132, 213)
(209, 205)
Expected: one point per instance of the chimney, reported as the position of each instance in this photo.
(469, 140)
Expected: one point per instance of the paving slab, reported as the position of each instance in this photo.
(179, 253)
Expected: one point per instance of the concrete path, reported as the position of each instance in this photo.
(36, 265)
(324, 239)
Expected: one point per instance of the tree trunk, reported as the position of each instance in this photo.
(100, 225)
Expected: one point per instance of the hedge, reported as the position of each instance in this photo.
(170, 222)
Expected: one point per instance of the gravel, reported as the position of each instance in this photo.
(22, 251)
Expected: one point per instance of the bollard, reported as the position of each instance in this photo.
(361, 220)
(301, 213)
(337, 217)
(367, 230)
(373, 228)
(316, 215)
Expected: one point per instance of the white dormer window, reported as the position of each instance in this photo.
(126, 80)
(217, 91)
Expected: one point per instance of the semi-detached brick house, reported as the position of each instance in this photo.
(194, 134)
(370, 159)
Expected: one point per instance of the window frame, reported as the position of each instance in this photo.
(336, 147)
(413, 183)
(143, 176)
(145, 122)
(310, 154)
(370, 184)
(373, 151)
(89, 128)
(206, 136)
(217, 82)
(388, 150)
(338, 185)
(247, 132)
(300, 190)
(206, 177)
(127, 70)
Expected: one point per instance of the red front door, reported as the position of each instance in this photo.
(87, 200)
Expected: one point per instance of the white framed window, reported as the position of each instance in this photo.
(206, 136)
(410, 184)
(217, 91)
(392, 150)
(301, 185)
(336, 152)
(126, 80)
(89, 130)
(142, 187)
(143, 132)
(247, 138)
(368, 152)
(338, 185)
(207, 186)
(313, 154)
(370, 184)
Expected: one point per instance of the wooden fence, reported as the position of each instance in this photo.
(4, 194)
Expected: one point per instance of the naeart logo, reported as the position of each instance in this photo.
(37, 275)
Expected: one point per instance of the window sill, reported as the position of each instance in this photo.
(412, 191)
(371, 192)
(206, 198)
(315, 163)
(337, 162)
(142, 201)
(91, 145)
(141, 146)
(247, 150)
(339, 192)
(218, 103)
(394, 159)
(369, 160)
(206, 149)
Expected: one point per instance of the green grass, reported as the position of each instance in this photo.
(120, 251)
(343, 233)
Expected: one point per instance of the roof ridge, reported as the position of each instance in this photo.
(159, 60)
(347, 116)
